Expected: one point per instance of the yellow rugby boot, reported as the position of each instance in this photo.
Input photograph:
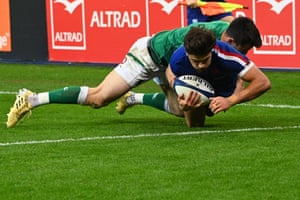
(20, 108)
(123, 104)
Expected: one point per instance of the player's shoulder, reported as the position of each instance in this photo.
(178, 56)
(224, 45)
(226, 51)
(226, 48)
(179, 51)
(217, 27)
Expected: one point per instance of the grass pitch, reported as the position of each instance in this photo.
(75, 152)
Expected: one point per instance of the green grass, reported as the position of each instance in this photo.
(249, 152)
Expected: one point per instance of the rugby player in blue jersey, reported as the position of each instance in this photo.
(221, 65)
(221, 69)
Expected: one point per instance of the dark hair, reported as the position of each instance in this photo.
(244, 32)
(199, 41)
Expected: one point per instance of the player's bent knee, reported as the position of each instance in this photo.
(195, 124)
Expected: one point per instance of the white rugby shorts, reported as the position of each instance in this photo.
(137, 66)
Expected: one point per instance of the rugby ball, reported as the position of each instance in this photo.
(187, 83)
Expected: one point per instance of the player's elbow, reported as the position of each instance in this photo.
(265, 84)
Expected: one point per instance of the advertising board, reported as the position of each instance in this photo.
(102, 31)
(5, 34)
(277, 22)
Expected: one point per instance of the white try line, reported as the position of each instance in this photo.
(147, 135)
(270, 105)
(8, 92)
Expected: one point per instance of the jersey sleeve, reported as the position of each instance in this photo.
(247, 67)
(217, 27)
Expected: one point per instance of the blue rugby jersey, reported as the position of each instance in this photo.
(227, 64)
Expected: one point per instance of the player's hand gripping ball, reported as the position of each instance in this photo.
(187, 83)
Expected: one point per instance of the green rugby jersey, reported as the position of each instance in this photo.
(164, 43)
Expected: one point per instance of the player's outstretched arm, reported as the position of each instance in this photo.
(258, 83)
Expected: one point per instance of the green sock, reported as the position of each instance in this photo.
(65, 95)
(155, 100)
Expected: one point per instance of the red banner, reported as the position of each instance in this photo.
(5, 35)
(277, 21)
(102, 31)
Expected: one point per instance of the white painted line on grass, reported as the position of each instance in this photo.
(148, 135)
(8, 92)
(270, 105)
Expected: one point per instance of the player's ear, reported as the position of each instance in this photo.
(226, 38)
(230, 40)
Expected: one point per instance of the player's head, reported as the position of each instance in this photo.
(242, 34)
(198, 44)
